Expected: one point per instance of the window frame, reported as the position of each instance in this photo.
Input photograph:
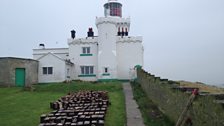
(47, 70)
(106, 70)
(50, 70)
(44, 70)
(86, 50)
(87, 70)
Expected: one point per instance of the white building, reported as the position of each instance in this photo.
(112, 55)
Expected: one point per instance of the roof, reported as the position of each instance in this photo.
(49, 53)
(18, 58)
(51, 49)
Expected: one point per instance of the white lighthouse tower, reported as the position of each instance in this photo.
(109, 27)
(112, 29)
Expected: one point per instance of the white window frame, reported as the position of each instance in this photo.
(86, 50)
(87, 70)
(106, 70)
(47, 70)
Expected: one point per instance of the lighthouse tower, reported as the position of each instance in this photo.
(110, 27)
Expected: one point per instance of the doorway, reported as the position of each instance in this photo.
(20, 77)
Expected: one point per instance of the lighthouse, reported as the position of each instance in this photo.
(110, 55)
(109, 27)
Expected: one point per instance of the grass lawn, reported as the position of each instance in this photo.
(150, 112)
(23, 108)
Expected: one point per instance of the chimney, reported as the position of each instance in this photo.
(90, 33)
(122, 33)
(73, 34)
(119, 32)
(41, 46)
(126, 32)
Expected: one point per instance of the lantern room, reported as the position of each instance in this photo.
(113, 8)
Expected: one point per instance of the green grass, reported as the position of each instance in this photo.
(150, 112)
(23, 108)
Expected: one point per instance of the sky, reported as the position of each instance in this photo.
(182, 39)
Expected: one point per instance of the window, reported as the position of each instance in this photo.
(106, 70)
(87, 70)
(47, 70)
(82, 70)
(91, 70)
(86, 50)
(44, 70)
(50, 70)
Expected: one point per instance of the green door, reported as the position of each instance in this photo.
(20, 77)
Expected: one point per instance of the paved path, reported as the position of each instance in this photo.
(134, 117)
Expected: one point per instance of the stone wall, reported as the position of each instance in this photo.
(203, 112)
(4, 72)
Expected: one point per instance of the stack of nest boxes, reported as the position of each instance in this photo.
(85, 108)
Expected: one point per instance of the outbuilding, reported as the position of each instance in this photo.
(53, 68)
(18, 71)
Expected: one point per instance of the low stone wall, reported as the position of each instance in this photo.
(203, 112)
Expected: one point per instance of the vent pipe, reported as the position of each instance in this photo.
(41, 46)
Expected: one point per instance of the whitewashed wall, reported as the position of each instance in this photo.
(107, 31)
(58, 69)
(129, 54)
(69, 74)
(75, 49)
(61, 52)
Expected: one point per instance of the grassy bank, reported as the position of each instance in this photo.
(202, 87)
(150, 112)
(23, 108)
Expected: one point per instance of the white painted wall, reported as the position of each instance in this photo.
(58, 69)
(61, 52)
(107, 32)
(75, 49)
(69, 72)
(107, 39)
(129, 54)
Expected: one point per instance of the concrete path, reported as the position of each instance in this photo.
(134, 117)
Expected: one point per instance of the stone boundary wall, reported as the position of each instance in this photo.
(203, 112)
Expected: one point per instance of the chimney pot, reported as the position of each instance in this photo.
(90, 33)
(73, 34)
(41, 46)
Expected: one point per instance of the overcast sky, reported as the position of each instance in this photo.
(183, 39)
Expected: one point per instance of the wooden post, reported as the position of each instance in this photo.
(189, 103)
